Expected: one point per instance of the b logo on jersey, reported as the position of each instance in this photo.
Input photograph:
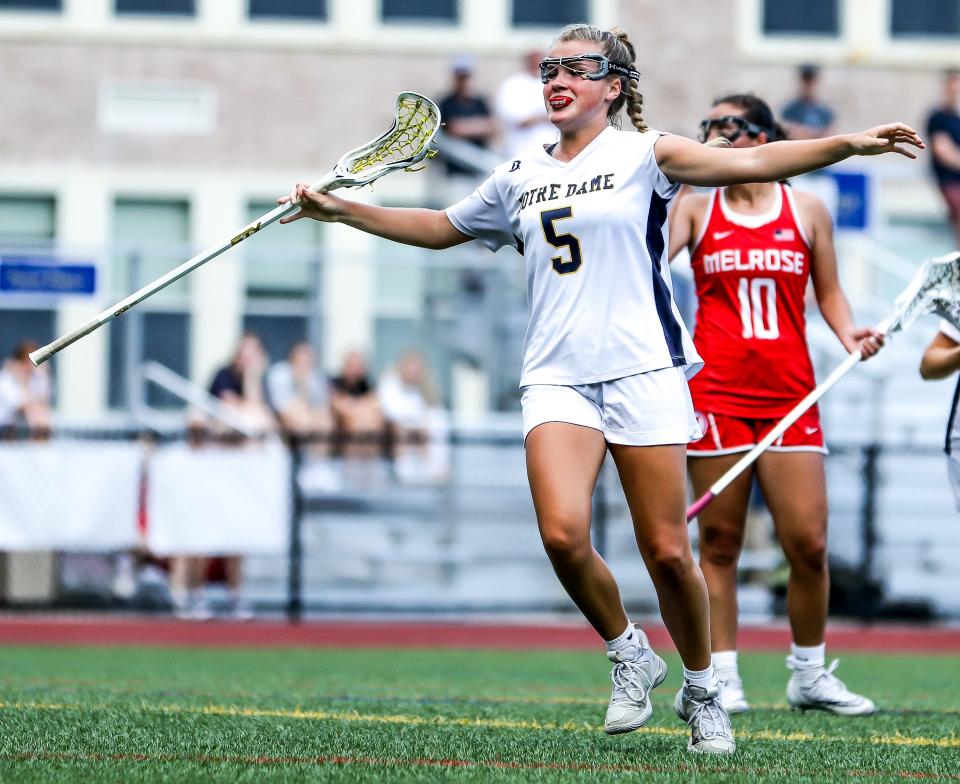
(515, 165)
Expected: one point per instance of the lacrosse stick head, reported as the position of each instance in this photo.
(935, 288)
(416, 121)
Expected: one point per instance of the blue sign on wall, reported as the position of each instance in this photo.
(23, 275)
(853, 204)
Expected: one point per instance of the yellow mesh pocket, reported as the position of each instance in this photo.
(414, 127)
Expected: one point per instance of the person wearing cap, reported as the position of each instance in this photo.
(806, 116)
(466, 115)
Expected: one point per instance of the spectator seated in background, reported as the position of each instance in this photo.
(239, 385)
(806, 116)
(411, 405)
(465, 114)
(357, 416)
(25, 393)
(300, 396)
(520, 109)
(299, 393)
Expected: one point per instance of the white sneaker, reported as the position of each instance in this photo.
(731, 693)
(241, 610)
(710, 729)
(636, 672)
(824, 691)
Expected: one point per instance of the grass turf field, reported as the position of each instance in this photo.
(242, 715)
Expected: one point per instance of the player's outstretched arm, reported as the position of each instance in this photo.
(940, 359)
(684, 160)
(410, 226)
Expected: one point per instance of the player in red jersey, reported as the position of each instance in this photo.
(753, 248)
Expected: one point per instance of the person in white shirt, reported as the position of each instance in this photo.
(606, 355)
(411, 405)
(25, 392)
(519, 108)
(941, 359)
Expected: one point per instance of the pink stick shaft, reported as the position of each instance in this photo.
(699, 504)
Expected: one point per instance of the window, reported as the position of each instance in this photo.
(813, 18)
(419, 11)
(166, 339)
(277, 332)
(288, 9)
(31, 5)
(26, 220)
(151, 236)
(548, 13)
(280, 261)
(164, 7)
(935, 18)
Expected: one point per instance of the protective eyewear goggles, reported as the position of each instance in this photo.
(586, 66)
(732, 128)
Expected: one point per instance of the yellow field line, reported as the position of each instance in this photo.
(516, 699)
(951, 741)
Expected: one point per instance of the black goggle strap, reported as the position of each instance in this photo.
(630, 73)
(744, 126)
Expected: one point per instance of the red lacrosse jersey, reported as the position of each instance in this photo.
(751, 274)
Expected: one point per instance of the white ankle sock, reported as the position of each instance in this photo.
(809, 656)
(725, 662)
(628, 639)
(705, 679)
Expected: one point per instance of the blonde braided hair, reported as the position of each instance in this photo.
(615, 45)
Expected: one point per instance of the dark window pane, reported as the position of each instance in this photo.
(419, 10)
(925, 17)
(166, 338)
(813, 17)
(31, 5)
(17, 325)
(288, 9)
(548, 12)
(278, 333)
(184, 7)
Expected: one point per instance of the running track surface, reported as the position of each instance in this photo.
(92, 630)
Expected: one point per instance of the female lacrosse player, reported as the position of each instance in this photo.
(606, 354)
(753, 248)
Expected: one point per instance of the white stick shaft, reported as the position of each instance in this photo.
(741, 465)
(44, 353)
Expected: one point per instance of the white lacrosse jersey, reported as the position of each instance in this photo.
(593, 233)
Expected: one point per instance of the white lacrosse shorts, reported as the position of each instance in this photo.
(646, 409)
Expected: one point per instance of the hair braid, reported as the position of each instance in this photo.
(635, 106)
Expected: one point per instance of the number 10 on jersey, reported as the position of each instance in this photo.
(758, 308)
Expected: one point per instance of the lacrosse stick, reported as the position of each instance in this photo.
(415, 123)
(935, 288)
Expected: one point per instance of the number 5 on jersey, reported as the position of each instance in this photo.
(560, 265)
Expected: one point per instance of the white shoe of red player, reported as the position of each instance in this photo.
(731, 693)
(819, 689)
